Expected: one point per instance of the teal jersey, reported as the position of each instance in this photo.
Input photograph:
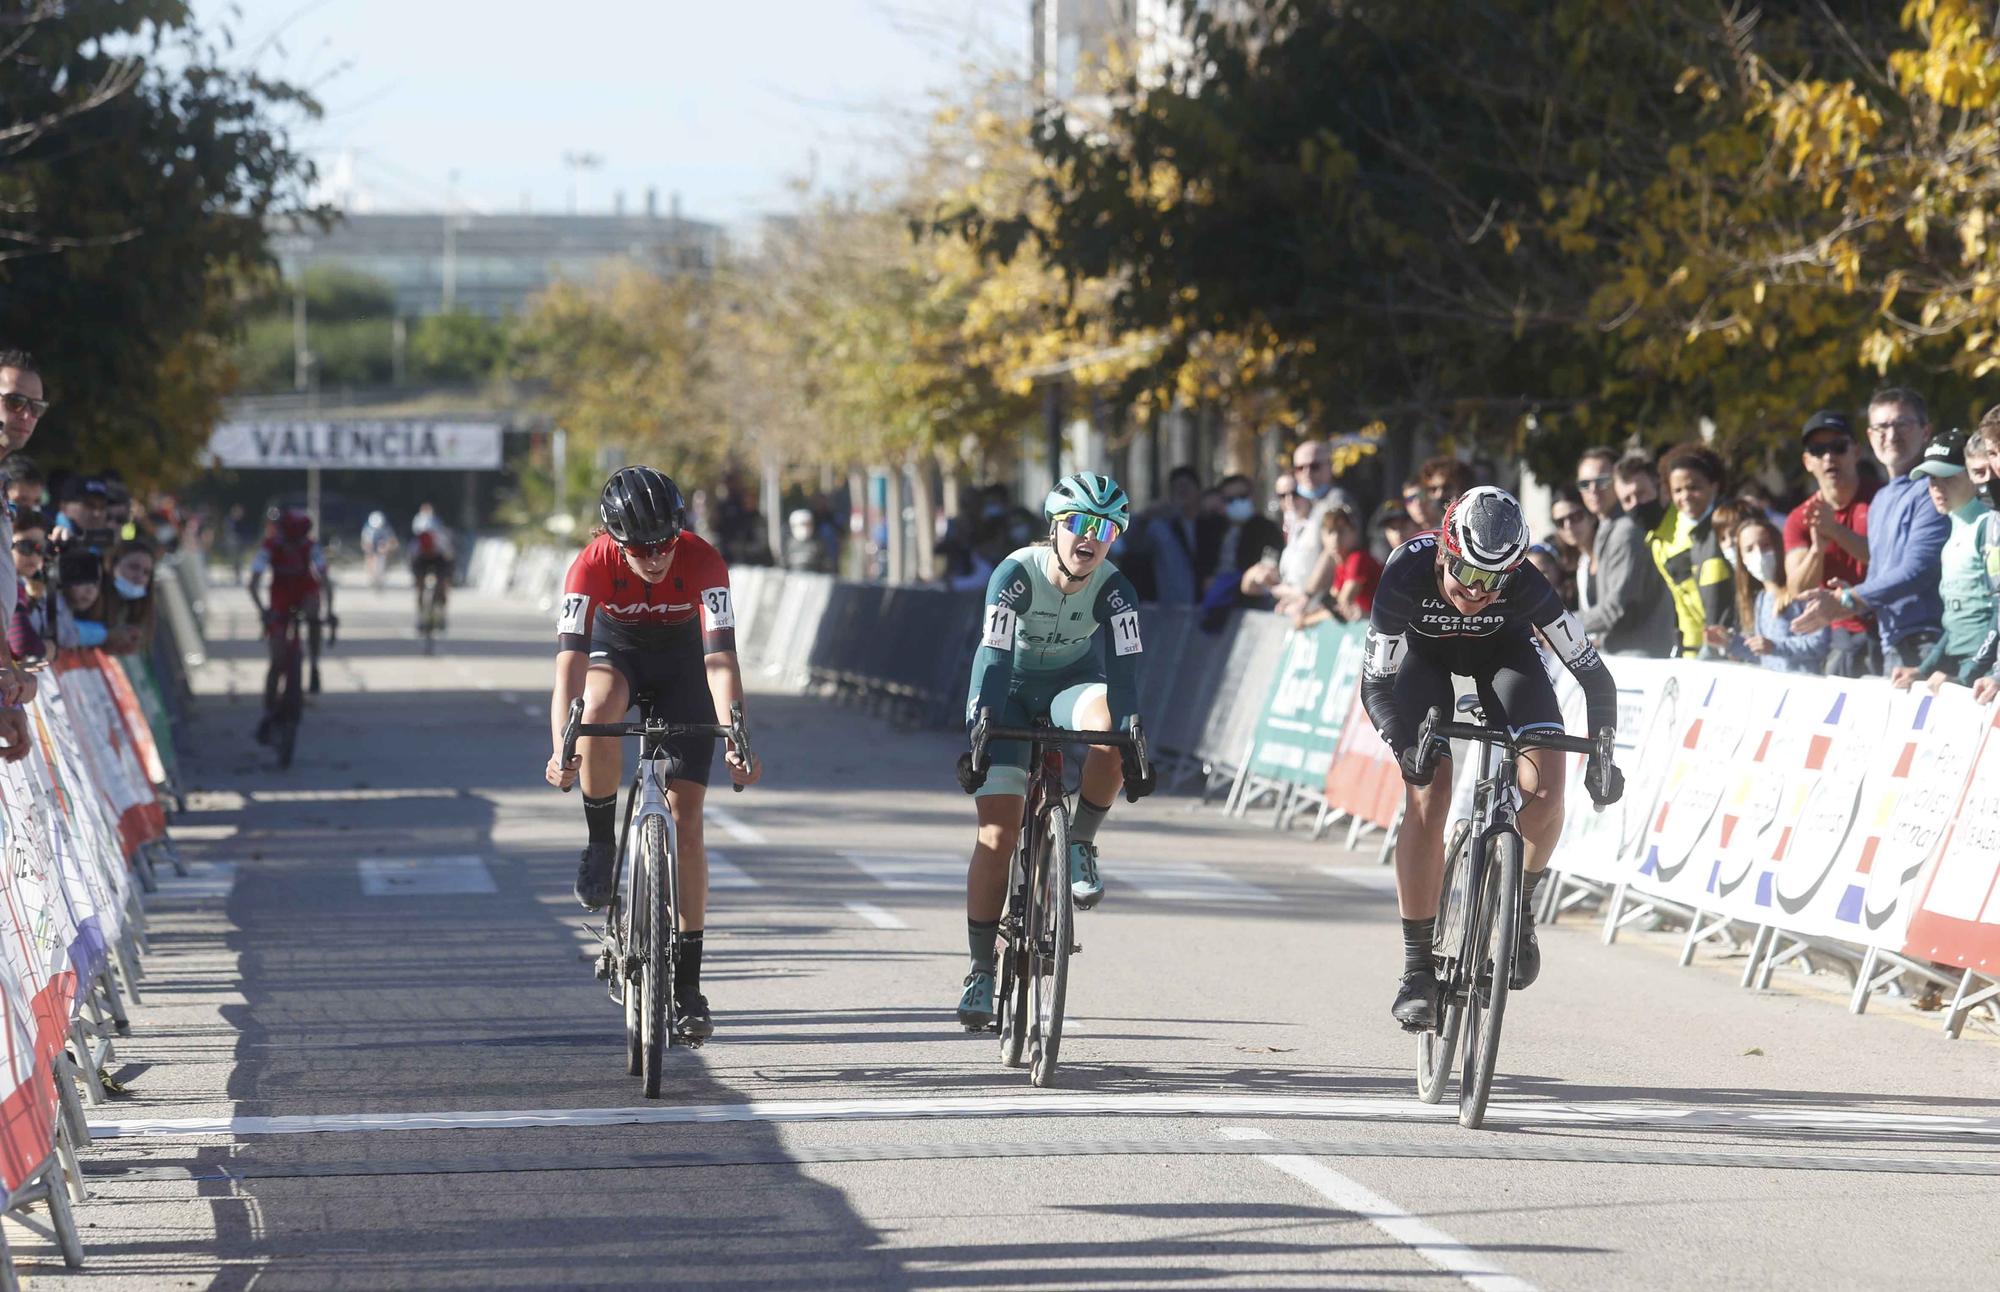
(1030, 627)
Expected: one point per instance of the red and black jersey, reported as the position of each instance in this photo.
(603, 600)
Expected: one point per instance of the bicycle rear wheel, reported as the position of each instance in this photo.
(1049, 942)
(1010, 997)
(1488, 969)
(657, 970)
(1436, 1049)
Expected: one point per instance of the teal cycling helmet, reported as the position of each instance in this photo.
(1091, 494)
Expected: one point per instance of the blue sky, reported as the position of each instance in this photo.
(724, 103)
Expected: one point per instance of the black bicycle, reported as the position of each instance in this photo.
(1038, 930)
(1480, 913)
(433, 593)
(280, 727)
(638, 956)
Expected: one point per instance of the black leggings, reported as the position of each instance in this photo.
(1510, 673)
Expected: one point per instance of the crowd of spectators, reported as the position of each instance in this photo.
(77, 553)
(1888, 566)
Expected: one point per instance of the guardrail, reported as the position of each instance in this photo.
(1858, 810)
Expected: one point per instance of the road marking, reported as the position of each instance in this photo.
(346, 796)
(735, 827)
(533, 710)
(424, 876)
(1183, 881)
(1434, 1245)
(722, 873)
(875, 915)
(1376, 879)
(911, 871)
(202, 833)
(762, 1151)
(204, 880)
(1675, 1117)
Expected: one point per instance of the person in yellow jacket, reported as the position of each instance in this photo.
(1686, 548)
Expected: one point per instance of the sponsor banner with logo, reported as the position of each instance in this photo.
(1957, 921)
(109, 749)
(413, 445)
(1318, 676)
(1364, 781)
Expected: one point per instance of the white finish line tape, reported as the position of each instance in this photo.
(1070, 1104)
(1434, 1245)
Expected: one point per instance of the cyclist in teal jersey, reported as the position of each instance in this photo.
(1044, 605)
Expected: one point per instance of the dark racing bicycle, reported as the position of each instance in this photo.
(1038, 928)
(1479, 915)
(280, 727)
(639, 951)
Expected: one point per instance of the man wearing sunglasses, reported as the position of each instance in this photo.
(1464, 601)
(1044, 605)
(646, 607)
(1826, 536)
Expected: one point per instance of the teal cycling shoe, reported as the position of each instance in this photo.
(1085, 884)
(975, 1006)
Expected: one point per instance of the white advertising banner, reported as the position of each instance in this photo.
(358, 446)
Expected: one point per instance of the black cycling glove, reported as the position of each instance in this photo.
(1139, 780)
(970, 778)
(1415, 771)
(1607, 775)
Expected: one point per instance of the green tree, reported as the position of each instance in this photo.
(137, 185)
(457, 347)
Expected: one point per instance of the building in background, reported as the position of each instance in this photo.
(490, 264)
(1072, 37)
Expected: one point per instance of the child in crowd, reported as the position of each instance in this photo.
(79, 609)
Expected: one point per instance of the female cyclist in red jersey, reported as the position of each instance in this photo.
(646, 608)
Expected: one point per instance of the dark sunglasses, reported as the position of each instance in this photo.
(1828, 448)
(1412, 495)
(1570, 518)
(648, 551)
(17, 403)
(31, 547)
(1594, 482)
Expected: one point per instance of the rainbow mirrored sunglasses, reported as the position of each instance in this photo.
(1473, 577)
(651, 551)
(1084, 525)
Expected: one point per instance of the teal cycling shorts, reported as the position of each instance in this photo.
(1055, 696)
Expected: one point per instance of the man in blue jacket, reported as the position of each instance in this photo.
(1906, 535)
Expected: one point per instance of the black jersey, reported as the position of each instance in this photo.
(1411, 616)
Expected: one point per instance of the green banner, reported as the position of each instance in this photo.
(1308, 704)
(140, 674)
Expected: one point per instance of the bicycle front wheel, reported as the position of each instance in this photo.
(1049, 942)
(1435, 1050)
(627, 923)
(657, 970)
(291, 705)
(1490, 940)
(1011, 992)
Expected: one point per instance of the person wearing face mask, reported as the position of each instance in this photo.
(128, 596)
(1630, 610)
(1966, 650)
(1243, 539)
(1905, 536)
(1684, 545)
(1765, 604)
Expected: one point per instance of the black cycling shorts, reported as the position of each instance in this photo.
(1509, 671)
(678, 680)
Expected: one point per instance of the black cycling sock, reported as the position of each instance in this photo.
(687, 970)
(601, 815)
(979, 936)
(1084, 821)
(1530, 882)
(1417, 938)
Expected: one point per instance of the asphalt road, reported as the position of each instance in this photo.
(371, 1053)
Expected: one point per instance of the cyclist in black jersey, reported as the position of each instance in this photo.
(1462, 601)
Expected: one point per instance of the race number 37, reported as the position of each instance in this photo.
(1125, 633)
(575, 609)
(720, 614)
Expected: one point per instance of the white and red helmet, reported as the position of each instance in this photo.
(1484, 528)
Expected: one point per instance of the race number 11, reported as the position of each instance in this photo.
(1125, 633)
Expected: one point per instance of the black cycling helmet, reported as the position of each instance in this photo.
(641, 507)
